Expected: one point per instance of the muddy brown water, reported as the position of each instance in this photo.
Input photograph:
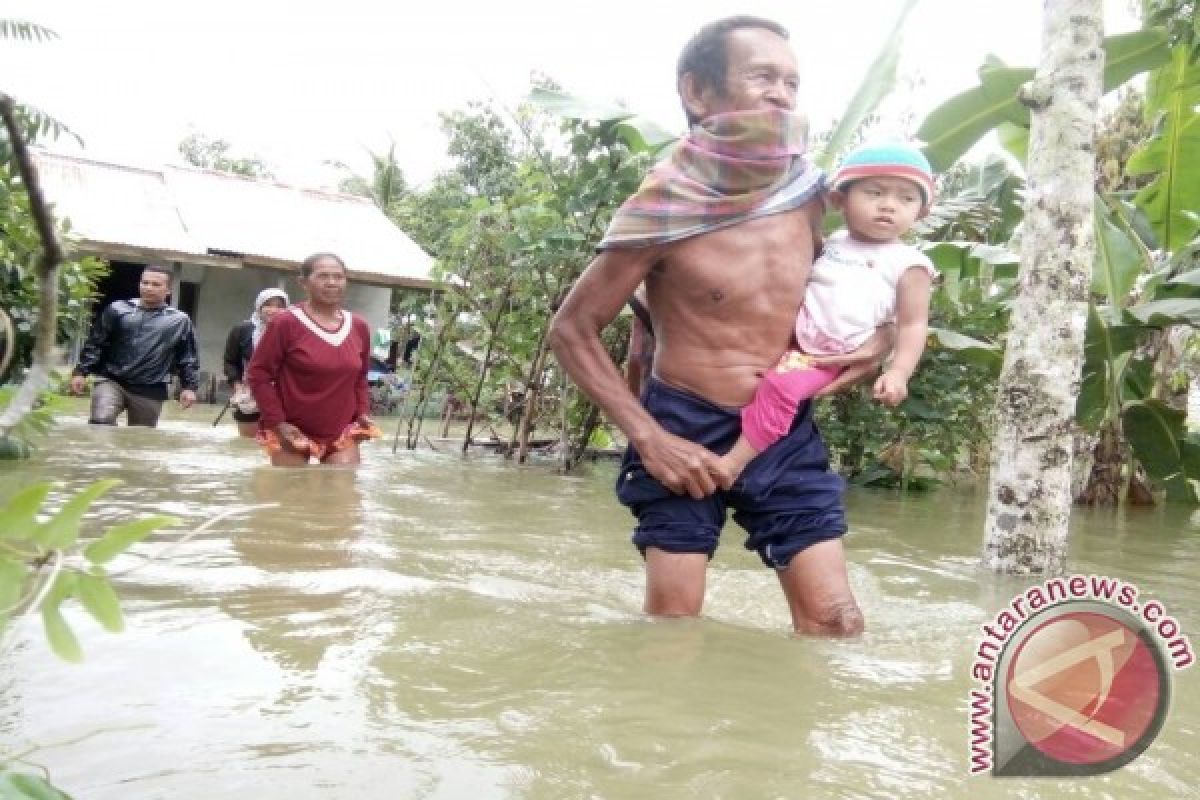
(427, 627)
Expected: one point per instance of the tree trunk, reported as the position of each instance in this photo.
(1168, 364)
(414, 422)
(564, 441)
(576, 454)
(1082, 463)
(493, 334)
(1103, 487)
(1029, 495)
(533, 395)
(585, 435)
(38, 376)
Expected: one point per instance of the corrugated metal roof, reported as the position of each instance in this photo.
(180, 212)
(115, 204)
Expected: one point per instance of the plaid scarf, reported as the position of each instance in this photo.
(730, 168)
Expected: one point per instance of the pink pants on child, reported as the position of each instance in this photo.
(769, 416)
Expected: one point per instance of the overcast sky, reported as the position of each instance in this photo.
(297, 82)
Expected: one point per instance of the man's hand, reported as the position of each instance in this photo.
(78, 384)
(186, 398)
(684, 467)
(891, 388)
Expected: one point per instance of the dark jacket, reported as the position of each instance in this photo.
(136, 346)
(238, 349)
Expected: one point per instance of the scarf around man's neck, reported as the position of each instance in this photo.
(728, 169)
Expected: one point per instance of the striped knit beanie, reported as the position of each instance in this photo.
(895, 159)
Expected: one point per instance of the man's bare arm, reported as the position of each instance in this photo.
(591, 305)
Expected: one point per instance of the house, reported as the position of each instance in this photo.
(226, 237)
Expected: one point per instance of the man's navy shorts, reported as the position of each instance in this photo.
(786, 498)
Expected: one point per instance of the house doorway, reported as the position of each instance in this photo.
(121, 283)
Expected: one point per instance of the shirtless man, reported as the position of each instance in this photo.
(722, 305)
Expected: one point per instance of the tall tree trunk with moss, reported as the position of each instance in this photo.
(1029, 497)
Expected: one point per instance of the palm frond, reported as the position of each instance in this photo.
(37, 124)
(25, 31)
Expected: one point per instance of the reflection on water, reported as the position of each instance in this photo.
(425, 627)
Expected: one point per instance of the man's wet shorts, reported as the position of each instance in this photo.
(786, 499)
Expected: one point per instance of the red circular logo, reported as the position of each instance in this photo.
(1083, 688)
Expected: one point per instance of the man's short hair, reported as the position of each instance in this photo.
(706, 55)
(159, 268)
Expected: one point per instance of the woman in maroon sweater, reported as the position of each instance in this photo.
(309, 373)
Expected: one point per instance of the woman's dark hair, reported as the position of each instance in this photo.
(706, 55)
(309, 264)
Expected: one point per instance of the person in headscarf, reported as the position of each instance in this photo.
(309, 374)
(239, 346)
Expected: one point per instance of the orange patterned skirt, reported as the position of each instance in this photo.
(303, 444)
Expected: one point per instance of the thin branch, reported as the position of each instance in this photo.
(83, 737)
(10, 342)
(33, 589)
(166, 551)
(43, 590)
(38, 376)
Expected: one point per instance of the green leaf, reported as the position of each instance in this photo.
(63, 528)
(949, 256)
(1130, 54)
(13, 575)
(571, 107)
(58, 632)
(1180, 490)
(1190, 450)
(99, 598)
(1154, 431)
(25, 786)
(1106, 349)
(61, 637)
(1118, 260)
(1173, 153)
(18, 518)
(1137, 380)
(119, 537)
(966, 348)
(644, 135)
(953, 127)
(1190, 278)
(876, 85)
(1163, 313)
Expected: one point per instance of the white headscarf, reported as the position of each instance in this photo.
(260, 324)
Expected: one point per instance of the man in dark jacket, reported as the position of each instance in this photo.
(132, 350)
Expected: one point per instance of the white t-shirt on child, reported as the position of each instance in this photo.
(852, 291)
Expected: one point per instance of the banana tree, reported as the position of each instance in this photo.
(1135, 242)
(1120, 400)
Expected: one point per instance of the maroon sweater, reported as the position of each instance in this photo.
(313, 378)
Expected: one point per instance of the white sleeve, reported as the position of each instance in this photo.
(905, 258)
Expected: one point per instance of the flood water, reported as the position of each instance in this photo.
(426, 627)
